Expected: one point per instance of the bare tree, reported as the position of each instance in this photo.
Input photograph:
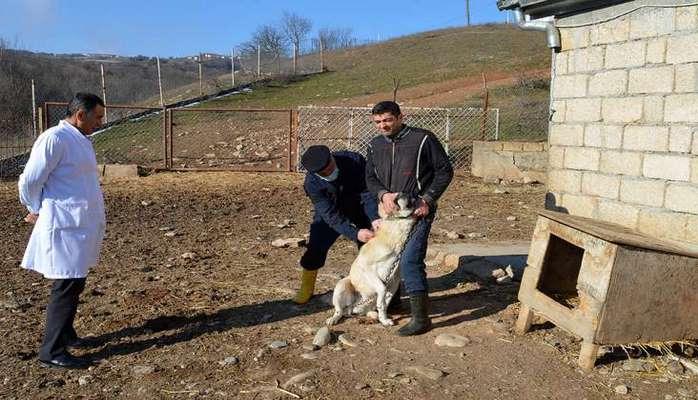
(335, 38)
(270, 40)
(296, 29)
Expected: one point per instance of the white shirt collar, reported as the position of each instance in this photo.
(65, 124)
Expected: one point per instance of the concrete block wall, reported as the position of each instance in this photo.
(514, 162)
(624, 131)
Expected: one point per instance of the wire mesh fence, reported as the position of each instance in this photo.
(16, 140)
(243, 140)
(351, 128)
(525, 108)
(130, 135)
(195, 138)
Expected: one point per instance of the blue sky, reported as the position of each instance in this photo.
(184, 27)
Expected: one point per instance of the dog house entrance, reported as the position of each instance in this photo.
(560, 270)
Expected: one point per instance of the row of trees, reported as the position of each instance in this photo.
(290, 38)
(134, 79)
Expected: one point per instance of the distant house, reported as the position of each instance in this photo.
(624, 102)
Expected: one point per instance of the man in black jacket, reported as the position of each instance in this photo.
(413, 161)
(336, 186)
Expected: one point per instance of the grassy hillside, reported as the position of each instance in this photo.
(420, 59)
(432, 63)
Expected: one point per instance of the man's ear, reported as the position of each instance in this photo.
(80, 115)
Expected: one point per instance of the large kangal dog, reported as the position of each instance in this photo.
(374, 278)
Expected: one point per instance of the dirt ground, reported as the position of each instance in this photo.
(170, 325)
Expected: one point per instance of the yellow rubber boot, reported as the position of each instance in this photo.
(307, 287)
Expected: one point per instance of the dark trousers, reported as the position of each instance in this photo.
(321, 239)
(60, 314)
(412, 268)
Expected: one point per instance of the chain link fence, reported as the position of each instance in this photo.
(525, 108)
(195, 138)
(130, 134)
(243, 140)
(351, 128)
(16, 139)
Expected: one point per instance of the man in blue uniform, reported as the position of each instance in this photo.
(336, 186)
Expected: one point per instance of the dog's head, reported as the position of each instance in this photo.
(406, 205)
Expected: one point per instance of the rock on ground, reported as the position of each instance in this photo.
(431, 373)
(322, 337)
(451, 340)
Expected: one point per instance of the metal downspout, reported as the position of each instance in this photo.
(551, 32)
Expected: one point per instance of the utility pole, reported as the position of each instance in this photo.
(232, 67)
(104, 93)
(322, 59)
(259, 60)
(201, 75)
(162, 100)
(467, 12)
(34, 109)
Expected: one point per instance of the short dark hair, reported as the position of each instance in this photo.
(83, 101)
(386, 107)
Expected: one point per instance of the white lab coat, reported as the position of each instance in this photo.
(61, 184)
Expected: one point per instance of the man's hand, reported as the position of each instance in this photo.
(31, 218)
(422, 210)
(376, 224)
(388, 202)
(365, 235)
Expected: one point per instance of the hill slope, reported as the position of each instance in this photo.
(444, 59)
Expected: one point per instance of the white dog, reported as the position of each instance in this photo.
(373, 278)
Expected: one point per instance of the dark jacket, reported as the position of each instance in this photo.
(344, 202)
(413, 161)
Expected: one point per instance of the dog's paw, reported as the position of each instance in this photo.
(332, 320)
(372, 314)
(387, 322)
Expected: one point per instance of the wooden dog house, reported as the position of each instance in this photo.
(608, 284)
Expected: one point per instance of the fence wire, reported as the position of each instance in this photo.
(351, 128)
(524, 108)
(245, 140)
(130, 134)
(16, 139)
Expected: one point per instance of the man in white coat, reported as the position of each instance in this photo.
(60, 188)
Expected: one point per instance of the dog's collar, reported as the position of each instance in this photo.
(395, 218)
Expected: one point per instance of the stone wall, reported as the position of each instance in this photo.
(624, 130)
(514, 162)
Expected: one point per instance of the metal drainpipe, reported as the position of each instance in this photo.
(553, 38)
(551, 32)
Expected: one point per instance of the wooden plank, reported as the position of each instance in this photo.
(587, 355)
(657, 304)
(523, 323)
(621, 235)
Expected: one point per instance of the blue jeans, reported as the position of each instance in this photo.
(412, 268)
(321, 239)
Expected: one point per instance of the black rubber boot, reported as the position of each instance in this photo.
(420, 322)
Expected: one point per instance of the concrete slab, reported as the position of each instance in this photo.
(118, 170)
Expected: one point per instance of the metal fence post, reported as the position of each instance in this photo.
(39, 120)
(164, 136)
(496, 127)
(170, 124)
(448, 130)
(290, 141)
(351, 128)
(45, 121)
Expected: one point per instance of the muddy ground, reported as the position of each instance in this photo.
(169, 323)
